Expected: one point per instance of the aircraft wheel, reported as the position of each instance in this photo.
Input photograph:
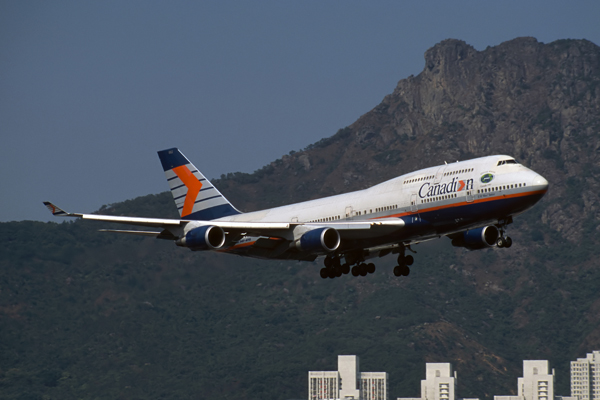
(363, 270)
(500, 242)
(409, 260)
(508, 242)
(345, 268)
(397, 271)
(336, 263)
(370, 268)
(331, 273)
(324, 274)
(328, 262)
(338, 272)
(405, 271)
(355, 271)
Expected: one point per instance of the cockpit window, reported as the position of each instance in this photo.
(503, 162)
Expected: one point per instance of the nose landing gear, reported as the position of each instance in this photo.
(504, 240)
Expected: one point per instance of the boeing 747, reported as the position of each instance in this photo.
(471, 202)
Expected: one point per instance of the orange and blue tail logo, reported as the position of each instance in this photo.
(195, 197)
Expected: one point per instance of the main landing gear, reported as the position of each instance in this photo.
(355, 263)
(363, 269)
(404, 261)
(334, 268)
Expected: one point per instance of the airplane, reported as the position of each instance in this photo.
(471, 202)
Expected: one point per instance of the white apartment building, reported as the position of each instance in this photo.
(373, 385)
(347, 383)
(439, 383)
(585, 377)
(536, 384)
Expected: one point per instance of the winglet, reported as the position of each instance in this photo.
(59, 212)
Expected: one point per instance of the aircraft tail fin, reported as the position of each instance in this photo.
(195, 197)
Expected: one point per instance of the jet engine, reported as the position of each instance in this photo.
(206, 237)
(475, 239)
(321, 240)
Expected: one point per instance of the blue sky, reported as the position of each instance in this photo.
(89, 91)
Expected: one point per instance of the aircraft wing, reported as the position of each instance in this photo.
(249, 227)
(150, 222)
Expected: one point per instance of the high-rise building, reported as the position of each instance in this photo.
(439, 383)
(536, 384)
(373, 385)
(585, 377)
(347, 383)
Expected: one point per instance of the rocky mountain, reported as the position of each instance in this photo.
(89, 315)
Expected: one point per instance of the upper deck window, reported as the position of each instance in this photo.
(504, 162)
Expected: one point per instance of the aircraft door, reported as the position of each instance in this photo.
(439, 174)
(472, 191)
(348, 212)
(470, 195)
(414, 206)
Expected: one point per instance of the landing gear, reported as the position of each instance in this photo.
(402, 269)
(363, 269)
(333, 268)
(324, 273)
(371, 268)
(345, 268)
(503, 240)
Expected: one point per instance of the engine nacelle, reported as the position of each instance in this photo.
(206, 237)
(320, 240)
(476, 239)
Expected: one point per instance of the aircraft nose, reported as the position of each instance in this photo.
(540, 183)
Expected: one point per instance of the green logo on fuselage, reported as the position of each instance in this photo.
(487, 178)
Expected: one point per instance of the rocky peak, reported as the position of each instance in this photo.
(447, 55)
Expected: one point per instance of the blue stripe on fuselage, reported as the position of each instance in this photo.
(452, 217)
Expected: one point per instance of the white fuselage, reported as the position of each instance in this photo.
(420, 192)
